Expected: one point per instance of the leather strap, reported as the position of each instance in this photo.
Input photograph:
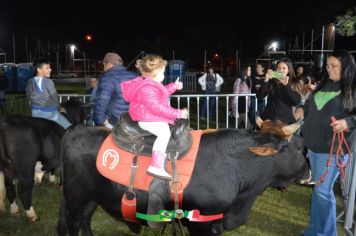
(128, 201)
(177, 194)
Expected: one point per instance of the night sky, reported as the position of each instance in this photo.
(247, 25)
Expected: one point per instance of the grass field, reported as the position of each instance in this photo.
(274, 213)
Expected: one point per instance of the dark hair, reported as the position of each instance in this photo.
(293, 81)
(289, 63)
(243, 76)
(347, 80)
(39, 62)
(261, 64)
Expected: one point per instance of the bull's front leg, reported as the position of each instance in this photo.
(24, 189)
(238, 214)
(11, 196)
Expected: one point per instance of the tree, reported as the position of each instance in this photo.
(347, 23)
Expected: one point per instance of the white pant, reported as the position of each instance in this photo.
(161, 130)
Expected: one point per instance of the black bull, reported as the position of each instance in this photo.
(23, 142)
(227, 179)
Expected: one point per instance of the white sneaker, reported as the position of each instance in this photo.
(159, 173)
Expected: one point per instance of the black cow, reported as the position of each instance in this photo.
(227, 179)
(23, 142)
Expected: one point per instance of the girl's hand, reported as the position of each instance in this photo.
(311, 86)
(339, 125)
(179, 85)
(183, 114)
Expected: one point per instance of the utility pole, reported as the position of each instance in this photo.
(237, 61)
(204, 60)
(13, 47)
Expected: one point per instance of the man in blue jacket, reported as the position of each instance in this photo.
(109, 103)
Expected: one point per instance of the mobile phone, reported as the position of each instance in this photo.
(277, 74)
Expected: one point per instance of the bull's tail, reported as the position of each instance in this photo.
(61, 150)
(62, 223)
(2, 177)
(2, 192)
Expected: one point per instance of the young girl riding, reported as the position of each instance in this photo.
(149, 105)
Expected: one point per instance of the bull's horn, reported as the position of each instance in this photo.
(259, 121)
(290, 129)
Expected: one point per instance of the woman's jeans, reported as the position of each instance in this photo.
(52, 115)
(204, 104)
(323, 203)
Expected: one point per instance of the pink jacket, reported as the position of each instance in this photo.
(149, 100)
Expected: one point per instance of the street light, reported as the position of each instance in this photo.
(72, 49)
(88, 38)
(273, 46)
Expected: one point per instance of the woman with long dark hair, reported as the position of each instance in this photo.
(335, 96)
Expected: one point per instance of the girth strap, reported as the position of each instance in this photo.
(177, 195)
(176, 186)
(128, 201)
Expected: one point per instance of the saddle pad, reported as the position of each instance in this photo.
(115, 164)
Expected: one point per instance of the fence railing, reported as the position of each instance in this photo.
(189, 82)
(221, 118)
(15, 106)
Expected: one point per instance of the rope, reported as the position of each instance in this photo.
(339, 152)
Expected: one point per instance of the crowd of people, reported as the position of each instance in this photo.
(326, 106)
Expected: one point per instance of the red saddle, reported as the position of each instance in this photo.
(115, 164)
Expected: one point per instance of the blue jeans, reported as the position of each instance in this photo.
(2, 97)
(55, 116)
(204, 104)
(323, 203)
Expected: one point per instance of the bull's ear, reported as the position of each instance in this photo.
(259, 122)
(263, 151)
(290, 129)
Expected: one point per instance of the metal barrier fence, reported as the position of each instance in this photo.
(189, 82)
(15, 106)
(347, 215)
(221, 118)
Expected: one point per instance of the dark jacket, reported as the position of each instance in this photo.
(279, 103)
(109, 103)
(316, 130)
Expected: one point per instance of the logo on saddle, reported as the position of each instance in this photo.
(110, 158)
(129, 136)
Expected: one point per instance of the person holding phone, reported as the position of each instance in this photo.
(148, 99)
(283, 90)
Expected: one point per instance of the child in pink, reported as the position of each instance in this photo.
(149, 106)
